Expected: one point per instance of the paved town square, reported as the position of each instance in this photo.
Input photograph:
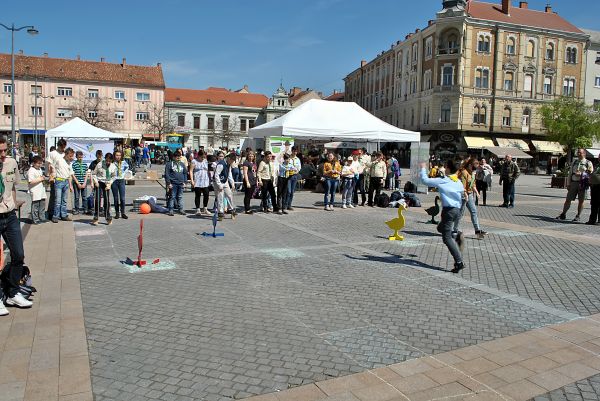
(283, 302)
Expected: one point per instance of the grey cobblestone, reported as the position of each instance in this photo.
(583, 390)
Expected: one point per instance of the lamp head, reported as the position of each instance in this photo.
(32, 31)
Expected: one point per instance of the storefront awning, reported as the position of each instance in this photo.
(594, 152)
(24, 131)
(548, 147)
(501, 152)
(474, 142)
(513, 143)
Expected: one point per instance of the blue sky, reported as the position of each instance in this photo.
(307, 43)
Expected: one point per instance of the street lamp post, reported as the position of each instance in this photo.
(32, 31)
(45, 112)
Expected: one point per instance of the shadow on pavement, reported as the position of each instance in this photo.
(394, 259)
(545, 218)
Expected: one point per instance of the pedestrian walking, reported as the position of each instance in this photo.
(467, 178)
(451, 192)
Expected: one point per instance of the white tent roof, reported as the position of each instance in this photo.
(328, 120)
(77, 128)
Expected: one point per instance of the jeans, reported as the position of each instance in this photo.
(237, 176)
(375, 185)
(469, 203)
(61, 190)
(268, 190)
(449, 217)
(248, 192)
(176, 198)
(282, 193)
(330, 187)
(508, 192)
(147, 162)
(51, 202)
(102, 193)
(391, 179)
(131, 165)
(291, 189)
(348, 191)
(197, 193)
(595, 203)
(37, 210)
(118, 191)
(79, 193)
(359, 186)
(482, 187)
(11, 232)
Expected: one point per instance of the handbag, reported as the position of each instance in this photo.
(595, 178)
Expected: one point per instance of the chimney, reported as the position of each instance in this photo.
(506, 4)
(124, 61)
(548, 8)
(46, 55)
(430, 22)
(524, 5)
(159, 64)
(417, 30)
(363, 63)
(20, 52)
(102, 59)
(78, 57)
(246, 87)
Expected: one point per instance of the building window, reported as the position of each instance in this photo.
(119, 115)
(483, 44)
(448, 76)
(412, 117)
(510, 46)
(64, 113)
(64, 91)
(597, 104)
(508, 81)
(7, 109)
(225, 121)
(429, 47)
(93, 93)
(211, 122)
(36, 111)
(243, 124)
(36, 90)
(181, 120)
(415, 52)
(446, 113)
(479, 114)
(526, 119)
(482, 78)
(142, 116)
(506, 117)
(597, 82)
(92, 114)
(120, 95)
(251, 124)
(196, 122)
(142, 96)
(548, 85)
(569, 87)
(549, 51)
(528, 86)
(7, 88)
(530, 49)
(571, 55)
(452, 43)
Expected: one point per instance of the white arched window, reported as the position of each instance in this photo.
(506, 116)
(508, 81)
(510, 46)
(548, 85)
(528, 86)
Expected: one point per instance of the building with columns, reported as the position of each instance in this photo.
(476, 76)
(50, 91)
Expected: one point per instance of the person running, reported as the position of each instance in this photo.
(175, 178)
(35, 178)
(377, 174)
(266, 175)
(249, 178)
(118, 186)
(579, 173)
(451, 192)
(467, 178)
(102, 178)
(348, 177)
(331, 172)
(224, 185)
(508, 175)
(198, 172)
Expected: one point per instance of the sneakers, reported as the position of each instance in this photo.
(344, 206)
(3, 310)
(284, 211)
(351, 206)
(108, 222)
(198, 212)
(124, 216)
(54, 220)
(95, 222)
(19, 300)
(205, 211)
(458, 267)
(249, 212)
(181, 212)
(561, 216)
(576, 218)
(480, 233)
(171, 213)
(326, 207)
(66, 218)
(460, 241)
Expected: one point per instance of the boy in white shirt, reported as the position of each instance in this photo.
(36, 179)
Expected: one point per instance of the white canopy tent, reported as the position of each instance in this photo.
(333, 121)
(77, 128)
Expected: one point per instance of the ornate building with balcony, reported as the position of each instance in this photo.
(476, 76)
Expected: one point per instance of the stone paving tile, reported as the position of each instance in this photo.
(582, 390)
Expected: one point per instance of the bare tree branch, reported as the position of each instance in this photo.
(159, 121)
(95, 111)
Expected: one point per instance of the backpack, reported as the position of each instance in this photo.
(396, 196)
(412, 200)
(383, 200)
(410, 187)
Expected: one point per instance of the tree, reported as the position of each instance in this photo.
(95, 111)
(571, 123)
(159, 121)
(226, 129)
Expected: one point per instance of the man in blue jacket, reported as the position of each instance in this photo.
(175, 178)
(451, 191)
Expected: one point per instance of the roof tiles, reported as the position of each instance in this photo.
(215, 96)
